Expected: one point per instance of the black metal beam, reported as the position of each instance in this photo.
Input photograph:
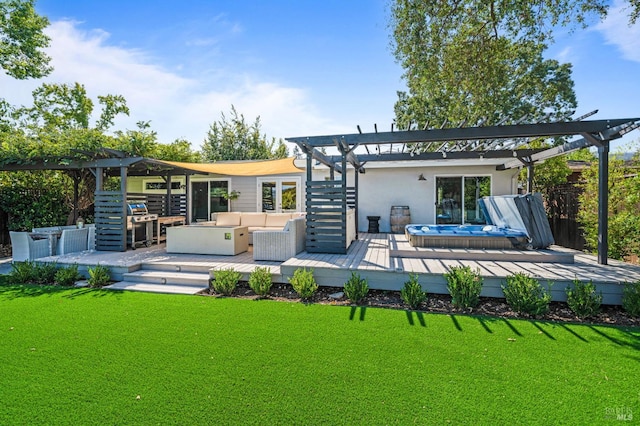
(564, 128)
(456, 155)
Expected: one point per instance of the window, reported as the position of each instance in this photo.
(154, 186)
(279, 194)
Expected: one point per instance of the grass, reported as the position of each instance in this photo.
(83, 356)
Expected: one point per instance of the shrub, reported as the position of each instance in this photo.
(67, 276)
(525, 294)
(412, 293)
(583, 299)
(303, 283)
(631, 298)
(23, 272)
(356, 288)
(260, 280)
(464, 286)
(45, 273)
(30, 272)
(99, 276)
(226, 280)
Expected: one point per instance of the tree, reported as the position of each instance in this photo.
(178, 150)
(466, 61)
(60, 107)
(624, 206)
(22, 40)
(234, 139)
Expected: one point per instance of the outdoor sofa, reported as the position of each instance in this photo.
(254, 221)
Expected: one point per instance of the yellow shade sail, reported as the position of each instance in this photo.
(241, 168)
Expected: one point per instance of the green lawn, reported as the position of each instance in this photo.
(98, 357)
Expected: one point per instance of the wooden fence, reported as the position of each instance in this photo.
(562, 210)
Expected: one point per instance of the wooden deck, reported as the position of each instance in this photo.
(379, 258)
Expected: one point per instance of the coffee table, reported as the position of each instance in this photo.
(205, 239)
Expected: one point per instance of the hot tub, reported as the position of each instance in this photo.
(466, 236)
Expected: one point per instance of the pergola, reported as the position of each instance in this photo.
(505, 142)
(111, 206)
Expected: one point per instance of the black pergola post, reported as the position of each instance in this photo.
(603, 202)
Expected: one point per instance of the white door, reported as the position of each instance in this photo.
(279, 194)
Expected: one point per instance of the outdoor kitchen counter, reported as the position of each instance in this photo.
(203, 239)
(167, 221)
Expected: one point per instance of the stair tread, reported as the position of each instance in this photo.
(156, 288)
(167, 274)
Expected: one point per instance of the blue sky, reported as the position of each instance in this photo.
(304, 67)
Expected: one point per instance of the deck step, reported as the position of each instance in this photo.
(167, 278)
(193, 267)
(156, 288)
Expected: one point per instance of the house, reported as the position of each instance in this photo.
(426, 187)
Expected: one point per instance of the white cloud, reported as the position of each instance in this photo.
(616, 31)
(178, 107)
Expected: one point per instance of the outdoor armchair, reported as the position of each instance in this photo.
(73, 240)
(280, 245)
(24, 247)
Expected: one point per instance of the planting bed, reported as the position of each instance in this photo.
(437, 303)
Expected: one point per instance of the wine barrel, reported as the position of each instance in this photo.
(400, 216)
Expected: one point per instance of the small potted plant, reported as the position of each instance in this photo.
(230, 196)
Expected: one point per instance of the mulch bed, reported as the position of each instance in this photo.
(438, 303)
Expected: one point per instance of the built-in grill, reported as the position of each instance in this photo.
(139, 224)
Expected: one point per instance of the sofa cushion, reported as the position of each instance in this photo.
(277, 220)
(253, 219)
(228, 219)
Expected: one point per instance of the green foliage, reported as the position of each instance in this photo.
(260, 280)
(464, 286)
(356, 288)
(63, 107)
(525, 294)
(412, 293)
(235, 139)
(480, 64)
(631, 298)
(22, 40)
(99, 276)
(45, 273)
(178, 150)
(67, 276)
(23, 272)
(304, 283)
(583, 299)
(624, 207)
(30, 272)
(34, 199)
(226, 280)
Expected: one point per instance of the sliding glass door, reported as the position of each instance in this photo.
(208, 197)
(457, 199)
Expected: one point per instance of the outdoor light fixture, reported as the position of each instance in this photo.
(421, 177)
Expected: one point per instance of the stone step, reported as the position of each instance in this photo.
(167, 278)
(156, 288)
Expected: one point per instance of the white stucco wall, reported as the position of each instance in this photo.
(380, 189)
